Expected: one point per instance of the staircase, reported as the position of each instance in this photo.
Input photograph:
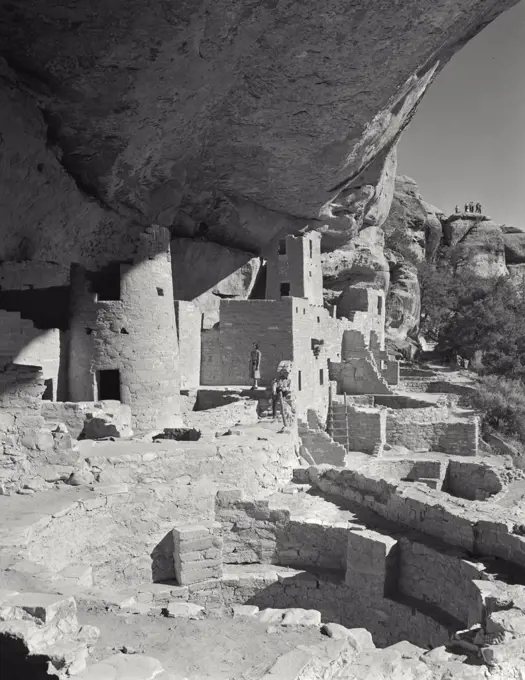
(321, 447)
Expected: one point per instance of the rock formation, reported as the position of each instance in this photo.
(217, 117)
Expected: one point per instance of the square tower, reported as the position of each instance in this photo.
(294, 268)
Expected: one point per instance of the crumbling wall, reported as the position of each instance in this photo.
(358, 429)
(474, 481)
(211, 360)
(25, 442)
(434, 430)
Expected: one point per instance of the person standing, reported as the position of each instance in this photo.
(466, 207)
(255, 365)
(457, 209)
(471, 206)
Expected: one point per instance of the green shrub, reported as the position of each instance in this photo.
(502, 401)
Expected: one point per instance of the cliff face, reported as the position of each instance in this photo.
(228, 120)
(415, 232)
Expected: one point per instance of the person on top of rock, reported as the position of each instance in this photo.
(255, 365)
(478, 207)
(466, 207)
(471, 206)
(456, 210)
(281, 389)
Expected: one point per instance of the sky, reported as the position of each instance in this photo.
(466, 142)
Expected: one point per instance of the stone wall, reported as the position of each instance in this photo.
(434, 430)
(365, 308)
(433, 513)
(255, 532)
(25, 441)
(474, 481)
(211, 360)
(135, 335)
(442, 578)
(296, 261)
(267, 322)
(75, 414)
(358, 429)
(22, 343)
(189, 325)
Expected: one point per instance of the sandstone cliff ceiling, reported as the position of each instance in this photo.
(225, 119)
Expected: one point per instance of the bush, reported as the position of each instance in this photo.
(502, 401)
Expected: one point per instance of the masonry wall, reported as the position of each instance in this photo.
(211, 360)
(189, 324)
(243, 322)
(31, 274)
(310, 379)
(254, 532)
(434, 430)
(135, 335)
(440, 577)
(474, 481)
(23, 436)
(22, 343)
(299, 265)
(366, 427)
(365, 307)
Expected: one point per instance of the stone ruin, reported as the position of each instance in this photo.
(144, 485)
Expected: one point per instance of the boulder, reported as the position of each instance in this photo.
(514, 243)
(480, 250)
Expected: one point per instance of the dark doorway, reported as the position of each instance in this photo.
(48, 392)
(282, 247)
(285, 289)
(108, 384)
(106, 282)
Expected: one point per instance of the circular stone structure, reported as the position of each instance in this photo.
(123, 341)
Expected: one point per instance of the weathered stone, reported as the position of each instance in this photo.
(184, 610)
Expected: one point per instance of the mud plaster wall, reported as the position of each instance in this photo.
(366, 427)
(189, 324)
(431, 429)
(136, 334)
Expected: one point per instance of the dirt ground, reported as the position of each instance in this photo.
(212, 648)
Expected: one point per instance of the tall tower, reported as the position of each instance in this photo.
(123, 340)
(294, 268)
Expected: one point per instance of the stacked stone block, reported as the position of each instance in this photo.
(372, 563)
(197, 554)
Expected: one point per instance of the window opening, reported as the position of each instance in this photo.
(379, 304)
(160, 292)
(48, 392)
(285, 289)
(108, 384)
(282, 247)
(321, 376)
(299, 381)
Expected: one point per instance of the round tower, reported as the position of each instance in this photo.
(123, 339)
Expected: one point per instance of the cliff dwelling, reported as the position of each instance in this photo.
(215, 461)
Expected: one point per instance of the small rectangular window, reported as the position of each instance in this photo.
(321, 376)
(311, 249)
(108, 384)
(285, 289)
(282, 247)
(379, 304)
(107, 283)
(318, 319)
(299, 381)
(310, 274)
